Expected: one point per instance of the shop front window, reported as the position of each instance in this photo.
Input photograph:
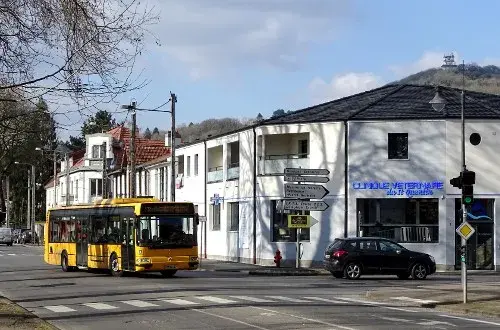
(400, 219)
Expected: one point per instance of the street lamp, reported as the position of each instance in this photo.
(31, 201)
(438, 103)
(60, 149)
(133, 108)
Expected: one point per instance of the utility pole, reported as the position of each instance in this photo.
(55, 179)
(132, 152)
(28, 206)
(67, 180)
(104, 171)
(7, 204)
(33, 201)
(173, 99)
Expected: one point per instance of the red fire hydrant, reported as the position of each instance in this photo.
(277, 258)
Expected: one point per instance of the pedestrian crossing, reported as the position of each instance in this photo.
(186, 302)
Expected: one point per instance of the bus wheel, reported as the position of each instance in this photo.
(114, 266)
(168, 273)
(64, 262)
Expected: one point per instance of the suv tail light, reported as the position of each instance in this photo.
(339, 253)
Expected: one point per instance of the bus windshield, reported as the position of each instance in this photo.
(164, 231)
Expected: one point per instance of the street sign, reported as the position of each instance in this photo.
(306, 171)
(296, 204)
(298, 178)
(310, 191)
(465, 230)
(301, 221)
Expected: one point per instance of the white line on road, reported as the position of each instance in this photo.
(139, 303)
(216, 300)
(364, 302)
(399, 309)
(471, 320)
(230, 319)
(420, 301)
(392, 319)
(327, 300)
(335, 326)
(99, 306)
(11, 254)
(179, 302)
(60, 309)
(253, 299)
(288, 299)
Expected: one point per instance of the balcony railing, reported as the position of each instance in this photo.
(215, 174)
(404, 233)
(276, 164)
(233, 171)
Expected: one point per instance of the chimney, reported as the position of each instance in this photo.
(167, 139)
(178, 140)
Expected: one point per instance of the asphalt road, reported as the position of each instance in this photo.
(211, 300)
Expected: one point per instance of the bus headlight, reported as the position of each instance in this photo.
(144, 260)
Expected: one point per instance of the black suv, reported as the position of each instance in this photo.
(351, 257)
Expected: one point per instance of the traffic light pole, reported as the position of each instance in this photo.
(464, 207)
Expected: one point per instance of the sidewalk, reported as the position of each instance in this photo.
(15, 317)
(251, 269)
(482, 298)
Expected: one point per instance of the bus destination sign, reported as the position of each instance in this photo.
(167, 208)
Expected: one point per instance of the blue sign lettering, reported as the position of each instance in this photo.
(401, 188)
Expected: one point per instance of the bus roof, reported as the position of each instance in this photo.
(114, 202)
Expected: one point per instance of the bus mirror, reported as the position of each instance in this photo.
(197, 219)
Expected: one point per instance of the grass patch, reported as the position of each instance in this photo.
(483, 308)
(13, 316)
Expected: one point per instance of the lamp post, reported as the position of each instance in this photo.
(133, 108)
(32, 200)
(438, 103)
(62, 151)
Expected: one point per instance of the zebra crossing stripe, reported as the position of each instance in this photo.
(139, 303)
(216, 300)
(60, 309)
(179, 302)
(327, 300)
(253, 299)
(101, 306)
(287, 299)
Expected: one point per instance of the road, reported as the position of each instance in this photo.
(210, 300)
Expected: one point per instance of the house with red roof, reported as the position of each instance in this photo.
(80, 180)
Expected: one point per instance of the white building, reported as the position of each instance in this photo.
(390, 157)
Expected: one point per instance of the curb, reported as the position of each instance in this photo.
(270, 272)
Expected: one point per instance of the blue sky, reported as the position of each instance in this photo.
(238, 58)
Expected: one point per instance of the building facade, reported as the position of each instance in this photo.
(390, 157)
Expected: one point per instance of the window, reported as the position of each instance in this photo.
(113, 230)
(76, 190)
(196, 165)
(63, 229)
(188, 166)
(368, 245)
(234, 216)
(400, 219)
(162, 183)
(386, 246)
(397, 146)
(281, 232)
(303, 148)
(146, 182)
(96, 151)
(215, 214)
(98, 230)
(95, 187)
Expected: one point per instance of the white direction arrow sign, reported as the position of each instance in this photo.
(298, 178)
(307, 171)
(295, 204)
(312, 191)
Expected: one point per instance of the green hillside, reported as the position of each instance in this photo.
(484, 79)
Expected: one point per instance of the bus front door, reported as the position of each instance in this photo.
(128, 246)
(82, 243)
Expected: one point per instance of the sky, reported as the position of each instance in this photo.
(238, 58)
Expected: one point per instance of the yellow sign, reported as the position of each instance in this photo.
(465, 230)
(299, 221)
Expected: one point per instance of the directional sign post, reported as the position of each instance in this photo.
(306, 191)
(302, 193)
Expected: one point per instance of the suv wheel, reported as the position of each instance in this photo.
(352, 271)
(419, 271)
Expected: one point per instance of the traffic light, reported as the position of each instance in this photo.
(457, 182)
(468, 181)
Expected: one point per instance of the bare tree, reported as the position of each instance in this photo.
(76, 48)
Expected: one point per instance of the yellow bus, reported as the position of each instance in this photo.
(123, 235)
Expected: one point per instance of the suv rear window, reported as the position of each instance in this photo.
(337, 243)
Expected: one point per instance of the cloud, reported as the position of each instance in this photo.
(343, 85)
(428, 60)
(210, 36)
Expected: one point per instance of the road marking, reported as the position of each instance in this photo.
(216, 299)
(11, 254)
(392, 319)
(287, 299)
(230, 319)
(399, 309)
(180, 302)
(60, 309)
(420, 301)
(326, 300)
(253, 299)
(432, 322)
(471, 320)
(365, 302)
(335, 326)
(99, 306)
(139, 303)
